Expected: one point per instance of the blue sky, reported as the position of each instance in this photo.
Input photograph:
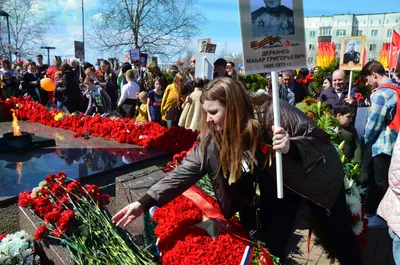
(222, 27)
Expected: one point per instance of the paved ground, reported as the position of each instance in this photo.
(377, 252)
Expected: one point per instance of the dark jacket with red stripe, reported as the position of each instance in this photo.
(312, 168)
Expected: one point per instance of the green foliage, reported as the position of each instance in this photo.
(169, 78)
(319, 76)
(255, 82)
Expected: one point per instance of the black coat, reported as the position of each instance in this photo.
(300, 92)
(71, 86)
(312, 169)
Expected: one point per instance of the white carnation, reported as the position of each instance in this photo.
(358, 228)
(354, 203)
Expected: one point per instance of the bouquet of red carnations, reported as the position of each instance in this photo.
(75, 216)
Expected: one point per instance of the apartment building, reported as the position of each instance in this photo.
(377, 28)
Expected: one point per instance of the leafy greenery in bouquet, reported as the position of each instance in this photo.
(255, 82)
(320, 75)
(318, 112)
(75, 216)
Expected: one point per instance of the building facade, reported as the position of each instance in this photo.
(377, 28)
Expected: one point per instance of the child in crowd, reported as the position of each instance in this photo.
(58, 93)
(128, 100)
(99, 101)
(191, 115)
(154, 102)
(8, 86)
(344, 113)
(143, 115)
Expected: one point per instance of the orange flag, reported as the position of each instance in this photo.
(395, 47)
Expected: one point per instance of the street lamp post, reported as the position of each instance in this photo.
(5, 14)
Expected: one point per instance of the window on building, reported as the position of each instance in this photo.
(359, 32)
(372, 47)
(310, 60)
(389, 33)
(312, 34)
(326, 32)
(341, 32)
(338, 47)
(374, 33)
(311, 47)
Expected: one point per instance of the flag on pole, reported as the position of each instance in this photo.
(384, 55)
(394, 49)
(326, 53)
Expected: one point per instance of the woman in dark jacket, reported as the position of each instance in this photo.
(70, 88)
(30, 82)
(235, 131)
(110, 84)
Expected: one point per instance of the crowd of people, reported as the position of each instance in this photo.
(232, 123)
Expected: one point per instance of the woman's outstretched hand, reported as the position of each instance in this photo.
(280, 141)
(128, 214)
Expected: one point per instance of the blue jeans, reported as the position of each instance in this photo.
(396, 246)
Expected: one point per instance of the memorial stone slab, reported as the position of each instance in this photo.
(130, 188)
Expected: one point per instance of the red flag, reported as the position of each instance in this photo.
(395, 47)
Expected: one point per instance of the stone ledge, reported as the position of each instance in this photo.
(58, 254)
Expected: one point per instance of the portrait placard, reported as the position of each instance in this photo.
(211, 48)
(79, 50)
(352, 53)
(135, 55)
(272, 35)
(204, 65)
(143, 59)
(202, 45)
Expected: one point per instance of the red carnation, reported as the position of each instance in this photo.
(104, 199)
(57, 233)
(74, 186)
(41, 232)
(52, 217)
(3, 236)
(181, 63)
(25, 199)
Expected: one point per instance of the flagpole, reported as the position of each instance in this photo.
(390, 54)
(277, 123)
(350, 81)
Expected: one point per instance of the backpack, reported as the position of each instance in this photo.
(394, 123)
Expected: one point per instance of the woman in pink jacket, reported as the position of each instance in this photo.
(389, 208)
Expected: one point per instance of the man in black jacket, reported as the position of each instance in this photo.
(290, 85)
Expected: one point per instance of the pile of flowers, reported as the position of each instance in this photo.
(75, 216)
(183, 237)
(17, 248)
(150, 134)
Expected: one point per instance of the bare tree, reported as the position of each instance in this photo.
(162, 27)
(27, 26)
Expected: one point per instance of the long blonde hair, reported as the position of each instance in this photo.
(179, 84)
(242, 129)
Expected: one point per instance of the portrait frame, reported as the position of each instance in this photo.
(272, 51)
(200, 44)
(211, 48)
(359, 47)
(282, 26)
